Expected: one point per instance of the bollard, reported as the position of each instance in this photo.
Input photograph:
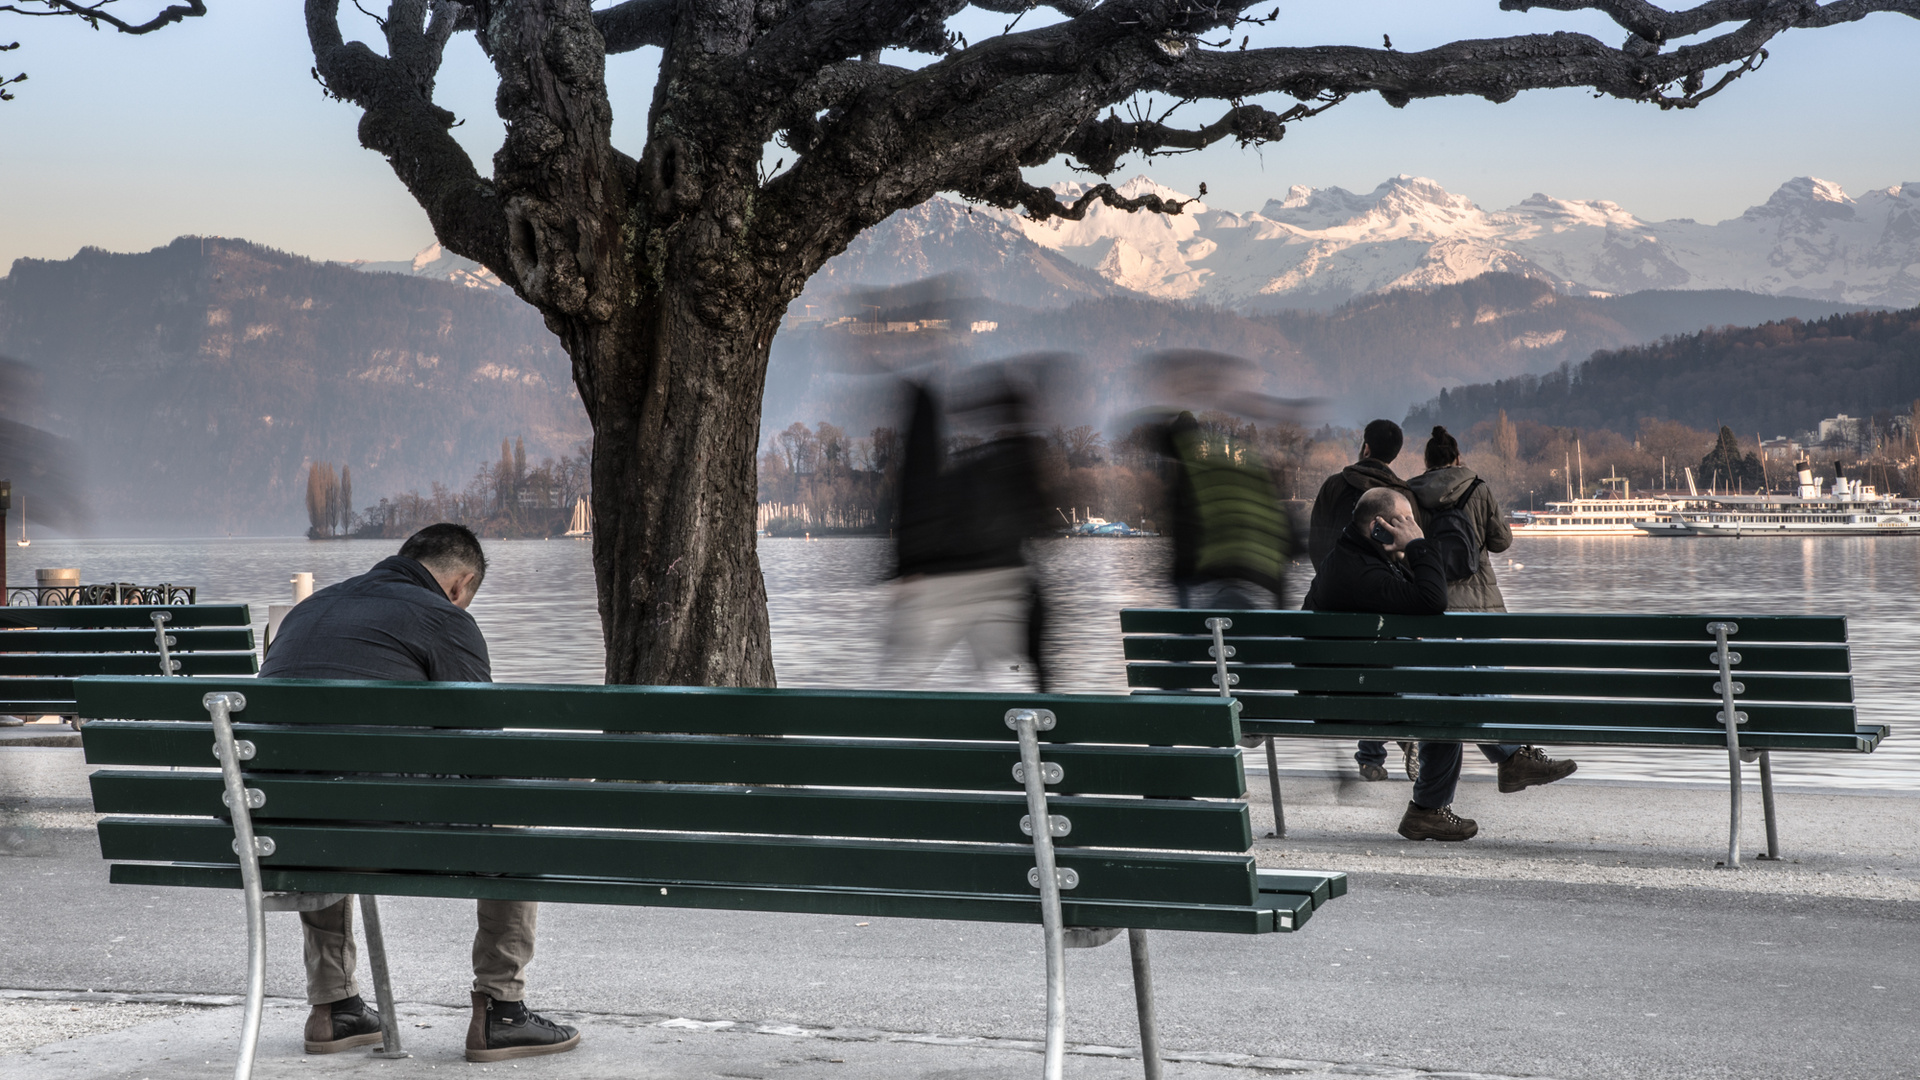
(302, 588)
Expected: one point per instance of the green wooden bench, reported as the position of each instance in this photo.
(1750, 683)
(44, 648)
(914, 805)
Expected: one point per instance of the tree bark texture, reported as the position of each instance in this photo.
(667, 276)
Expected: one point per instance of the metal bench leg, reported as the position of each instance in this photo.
(249, 849)
(1732, 718)
(1273, 782)
(1143, 997)
(1766, 806)
(382, 988)
(1046, 877)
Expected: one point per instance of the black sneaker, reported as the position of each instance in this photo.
(1528, 767)
(508, 1029)
(1410, 760)
(1421, 823)
(1370, 771)
(342, 1025)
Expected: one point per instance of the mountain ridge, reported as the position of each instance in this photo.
(1321, 247)
(200, 378)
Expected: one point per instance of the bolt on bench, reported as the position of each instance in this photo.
(1750, 683)
(1085, 814)
(44, 648)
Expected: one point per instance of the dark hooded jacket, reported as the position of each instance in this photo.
(1333, 507)
(1439, 489)
(1359, 575)
(972, 510)
(391, 623)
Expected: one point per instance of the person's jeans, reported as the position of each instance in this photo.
(502, 948)
(1440, 771)
(1371, 753)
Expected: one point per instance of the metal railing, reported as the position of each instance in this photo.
(119, 592)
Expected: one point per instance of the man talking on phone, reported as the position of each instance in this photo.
(1382, 564)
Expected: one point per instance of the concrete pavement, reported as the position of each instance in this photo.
(1584, 934)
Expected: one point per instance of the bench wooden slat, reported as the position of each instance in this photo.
(76, 665)
(956, 816)
(124, 641)
(105, 616)
(710, 859)
(1089, 768)
(1762, 716)
(713, 710)
(1570, 626)
(1863, 738)
(1321, 887)
(1293, 909)
(855, 902)
(29, 693)
(1446, 652)
(1759, 686)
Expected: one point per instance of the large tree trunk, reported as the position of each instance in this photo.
(675, 407)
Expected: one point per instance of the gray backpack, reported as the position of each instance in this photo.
(1452, 534)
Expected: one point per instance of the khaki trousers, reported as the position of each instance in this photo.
(502, 949)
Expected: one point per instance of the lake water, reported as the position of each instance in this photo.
(828, 606)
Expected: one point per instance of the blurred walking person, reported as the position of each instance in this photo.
(960, 545)
(1231, 537)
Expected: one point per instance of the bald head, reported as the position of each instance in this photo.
(1380, 502)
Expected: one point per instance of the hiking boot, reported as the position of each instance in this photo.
(1410, 760)
(342, 1025)
(1370, 771)
(1528, 767)
(501, 1030)
(1421, 823)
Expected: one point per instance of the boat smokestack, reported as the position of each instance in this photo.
(1809, 487)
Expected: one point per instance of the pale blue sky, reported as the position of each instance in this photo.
(216, 127)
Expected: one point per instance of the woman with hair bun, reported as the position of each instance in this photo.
(1448, 486)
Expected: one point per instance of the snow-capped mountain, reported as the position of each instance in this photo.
(1322, 246)
(437, 263)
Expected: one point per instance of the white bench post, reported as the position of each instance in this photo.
(1732, 718)
(382, 987)
(239, 799)
(1045, 876)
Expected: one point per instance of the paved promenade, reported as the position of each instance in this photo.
(1584, 934)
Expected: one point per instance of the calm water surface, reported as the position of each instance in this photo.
(828, 606)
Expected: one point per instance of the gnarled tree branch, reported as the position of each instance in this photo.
(636, 24)
(401, 122)
(1008, 190)
(95, 14)
(1098, 145)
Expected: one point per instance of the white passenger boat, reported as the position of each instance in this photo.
(1849, 508)
(1597, 517)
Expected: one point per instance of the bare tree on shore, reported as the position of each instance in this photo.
(666, 275)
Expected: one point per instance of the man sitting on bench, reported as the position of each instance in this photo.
(1383, 565)
(406, 620)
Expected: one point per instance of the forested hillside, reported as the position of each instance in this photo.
(1777, 378)
(200, 378)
